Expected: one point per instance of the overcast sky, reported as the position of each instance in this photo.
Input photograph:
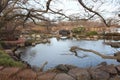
(69, 7)
(108, 9)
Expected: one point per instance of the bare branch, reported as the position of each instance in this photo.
(3, 4)
(74, 48)
(89, 9)
(62, 14)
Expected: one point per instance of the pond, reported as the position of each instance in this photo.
(57, 52)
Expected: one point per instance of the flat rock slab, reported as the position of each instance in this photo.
(26, 74)
(63, 76)
(47, 76)
(98, 74)
(79, 74)
(7, 72)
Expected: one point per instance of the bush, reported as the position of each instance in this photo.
(78, 30)
(2, 44)
(7, 61)
(5, 45)
(91, 33)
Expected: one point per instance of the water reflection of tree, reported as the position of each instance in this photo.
(75, 48)
(77, 55)
(32, 53)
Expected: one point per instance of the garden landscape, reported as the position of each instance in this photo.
(59, 40)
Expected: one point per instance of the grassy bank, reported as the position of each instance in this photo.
(7, 61)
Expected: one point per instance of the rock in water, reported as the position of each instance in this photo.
(62, 68)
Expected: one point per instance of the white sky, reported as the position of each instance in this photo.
(70, 7)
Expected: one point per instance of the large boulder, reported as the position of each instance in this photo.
(80, 74)
(26, 74)
(117, 54)
(64, 68)
(63, 76)
(98, 74)
(118, 68)
(6, 73)
(102, 64)
(47, 76)
(109, 69)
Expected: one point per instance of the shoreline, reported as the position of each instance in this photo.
(102, 71)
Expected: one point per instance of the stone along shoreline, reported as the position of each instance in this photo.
(62, 72)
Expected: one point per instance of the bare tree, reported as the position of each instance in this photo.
(24, 10)
(20, 12)
(3, 4)
(95, 12)
(14, 13)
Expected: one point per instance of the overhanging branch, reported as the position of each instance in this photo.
(74, 48)
(89, 9)
(3, 4)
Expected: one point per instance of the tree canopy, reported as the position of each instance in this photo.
(14, 13)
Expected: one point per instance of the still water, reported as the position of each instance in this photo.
(57, 52)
